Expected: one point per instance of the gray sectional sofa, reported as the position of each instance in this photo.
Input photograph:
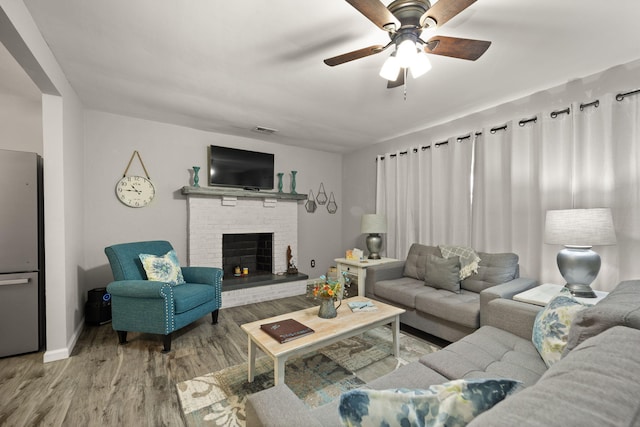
(596, 383)
(435, 309)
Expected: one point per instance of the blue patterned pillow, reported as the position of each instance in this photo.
(165, 268)
(551, 327)
(451, 404)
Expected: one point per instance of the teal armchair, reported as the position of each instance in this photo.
(141, 305)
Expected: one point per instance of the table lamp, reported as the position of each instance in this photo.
(374, 224)
(578, 230)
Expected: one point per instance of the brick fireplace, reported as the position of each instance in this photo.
(214, 212)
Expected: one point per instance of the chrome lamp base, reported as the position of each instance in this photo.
(579, 266)
(374, 245)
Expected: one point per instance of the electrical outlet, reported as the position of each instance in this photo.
(313, 263)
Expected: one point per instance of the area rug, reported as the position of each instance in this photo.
(218, 398)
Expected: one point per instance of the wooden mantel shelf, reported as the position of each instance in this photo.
(247, 194)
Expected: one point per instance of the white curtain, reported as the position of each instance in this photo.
(426, 195)
(588, 156)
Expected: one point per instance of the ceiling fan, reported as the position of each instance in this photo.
(405, 20)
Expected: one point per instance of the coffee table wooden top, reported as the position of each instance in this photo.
(346, 323)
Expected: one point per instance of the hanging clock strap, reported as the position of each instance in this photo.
(135, 153)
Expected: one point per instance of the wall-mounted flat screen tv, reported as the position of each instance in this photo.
(232, 167)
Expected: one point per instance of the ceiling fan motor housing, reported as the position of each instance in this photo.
(409, 12)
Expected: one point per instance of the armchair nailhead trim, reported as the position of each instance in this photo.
(169, 320)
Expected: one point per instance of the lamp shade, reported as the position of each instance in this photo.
(579, 227)
(373, 223)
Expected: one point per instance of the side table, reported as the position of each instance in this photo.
(541, 295)
(357, 269)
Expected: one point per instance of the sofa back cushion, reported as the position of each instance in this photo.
(620, 307)
(493, 269)
(416, 261)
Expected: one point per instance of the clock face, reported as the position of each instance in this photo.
(135, 191)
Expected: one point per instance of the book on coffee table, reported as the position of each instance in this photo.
(286, 330)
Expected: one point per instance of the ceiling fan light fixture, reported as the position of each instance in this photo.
(406, 53)
(420, 65)
(390, 69)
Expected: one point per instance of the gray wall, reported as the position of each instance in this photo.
(169, 152)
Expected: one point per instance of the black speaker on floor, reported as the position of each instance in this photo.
(97, 310)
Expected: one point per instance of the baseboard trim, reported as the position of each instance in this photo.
(64, 353)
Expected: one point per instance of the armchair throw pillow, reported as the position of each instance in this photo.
(454, 403)
(163, 268)
(443, 273)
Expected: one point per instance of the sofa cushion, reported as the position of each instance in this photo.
(493, 269)
(401, 291)
(443, 273)
(462, 308)
(453, 403)
(163, 268)
(552, 325)
(597, 384)
(488, 352)
(414, 265)
(620, 307)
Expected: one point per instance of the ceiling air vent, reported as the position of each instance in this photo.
(263, 130)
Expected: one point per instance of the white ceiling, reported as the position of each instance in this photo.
(228, 66)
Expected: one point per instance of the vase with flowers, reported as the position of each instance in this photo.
(328, 291)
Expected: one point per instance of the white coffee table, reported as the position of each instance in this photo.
(327, 331)
(541, 295)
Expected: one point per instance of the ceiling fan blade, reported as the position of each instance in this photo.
(456, 47)
(444, 10)
(356, 54)
(397, 82)
(377, 13)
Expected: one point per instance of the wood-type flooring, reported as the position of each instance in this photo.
(107, 384)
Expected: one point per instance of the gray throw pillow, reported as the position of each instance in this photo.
(443, 273)
(414, 265)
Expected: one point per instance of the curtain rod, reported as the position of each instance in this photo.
(555, 114)
(521, 123)
(621, 96)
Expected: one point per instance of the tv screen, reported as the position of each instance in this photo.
(232, 167)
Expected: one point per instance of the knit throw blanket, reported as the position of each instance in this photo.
(469, 259)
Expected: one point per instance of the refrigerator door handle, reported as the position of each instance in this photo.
(14, 282)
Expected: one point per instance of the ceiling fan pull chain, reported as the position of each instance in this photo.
(405, 83)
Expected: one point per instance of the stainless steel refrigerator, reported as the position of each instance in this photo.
(21, 253)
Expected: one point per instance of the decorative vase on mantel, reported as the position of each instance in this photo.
(196, 178)
(280, 174)
(293, 182)
(327, 308)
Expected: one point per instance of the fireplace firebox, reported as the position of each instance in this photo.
(251, 252)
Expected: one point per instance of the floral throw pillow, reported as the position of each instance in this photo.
(551, 327)
(163, 268)
(451, 404)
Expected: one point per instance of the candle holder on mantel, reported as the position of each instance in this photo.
(196, 178)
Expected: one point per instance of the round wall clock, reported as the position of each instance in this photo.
(135, 191)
